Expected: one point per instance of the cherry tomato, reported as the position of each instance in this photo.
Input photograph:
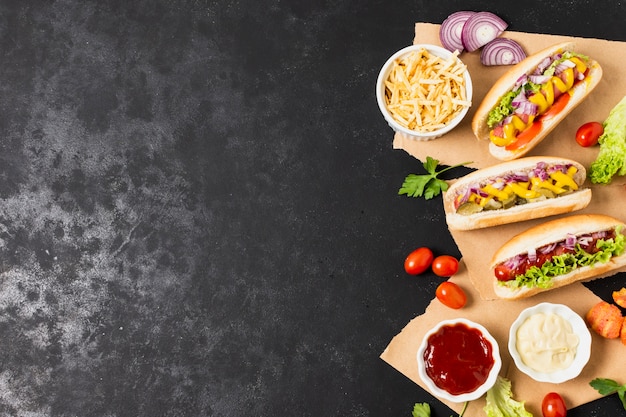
(445, 265)
(418, 261)
(553, 405)
(451, 295)
(589, 133)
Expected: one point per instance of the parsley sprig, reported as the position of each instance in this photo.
(607, 386)
(426, 185)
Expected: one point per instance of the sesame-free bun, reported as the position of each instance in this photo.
(573, 201)
(505, 83)
(551, 232)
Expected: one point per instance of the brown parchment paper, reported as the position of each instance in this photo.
(607, 355)
(460, 145)
(477, 247)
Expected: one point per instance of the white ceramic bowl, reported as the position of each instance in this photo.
(478, 392)
(380, 94)
(583, 350)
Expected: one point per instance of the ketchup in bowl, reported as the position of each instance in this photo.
(458, 358)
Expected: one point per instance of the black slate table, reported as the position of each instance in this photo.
(198, 205)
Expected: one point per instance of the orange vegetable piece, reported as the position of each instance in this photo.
(623, 333)
(620, 297)
(605, 319)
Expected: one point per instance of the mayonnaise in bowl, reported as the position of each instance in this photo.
(550, 343)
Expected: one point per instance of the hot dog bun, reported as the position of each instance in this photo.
(506, 83)
(562, 204)
(555, 231)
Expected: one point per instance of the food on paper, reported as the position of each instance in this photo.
(611, 159)
(513, 191)
(502, 51)
(500, 402)
(458, 360)
(550, 343)
(451, 29)
(418, 261)
(469, 30)
(451, 295)
(532, 97)
(424, 92)
(553, 405)
(620, 297)
(546, 342)
(588, 134)
(557, 253)
(480, 29)
(605, 319)
(426, 185)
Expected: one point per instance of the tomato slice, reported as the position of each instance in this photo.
(525, 136)
(558, 105)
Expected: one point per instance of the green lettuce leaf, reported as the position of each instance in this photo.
(611, 159)
(421, 410)
(541, 277)
(500, 402)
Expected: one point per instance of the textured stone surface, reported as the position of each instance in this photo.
(198, 209)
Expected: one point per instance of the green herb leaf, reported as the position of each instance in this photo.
(421, 410)
(426, 185)
(607, 386)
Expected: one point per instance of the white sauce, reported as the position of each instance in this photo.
(546, 342)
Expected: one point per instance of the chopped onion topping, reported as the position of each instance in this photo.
(502, 51)
(480, 29)
(532, 254)
(451, 29)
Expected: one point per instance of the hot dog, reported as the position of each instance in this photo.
(513, 191)
(532, 97)
(557, 253)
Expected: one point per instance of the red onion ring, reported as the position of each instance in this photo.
(451, 29)
(480, 29)
(502, 51)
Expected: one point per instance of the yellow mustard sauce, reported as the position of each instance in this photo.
(546, 342)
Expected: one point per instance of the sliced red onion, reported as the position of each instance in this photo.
(522, 105)
(532, 254)
(570, 241)
(502, 51)
(515, 262)
(480, 29)
(539, 79)
(547, 248)
(585, 240)
(543, 65)
(451, 29)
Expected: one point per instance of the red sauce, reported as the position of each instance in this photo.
(458, 358)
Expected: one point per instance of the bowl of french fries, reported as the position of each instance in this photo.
(424, 91)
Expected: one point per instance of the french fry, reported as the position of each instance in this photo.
(605, 319)
(424, 92)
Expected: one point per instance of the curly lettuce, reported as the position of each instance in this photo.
(500, 402)
(611, 159)
(562, 264)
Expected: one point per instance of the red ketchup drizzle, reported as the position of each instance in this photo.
(458, 358)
